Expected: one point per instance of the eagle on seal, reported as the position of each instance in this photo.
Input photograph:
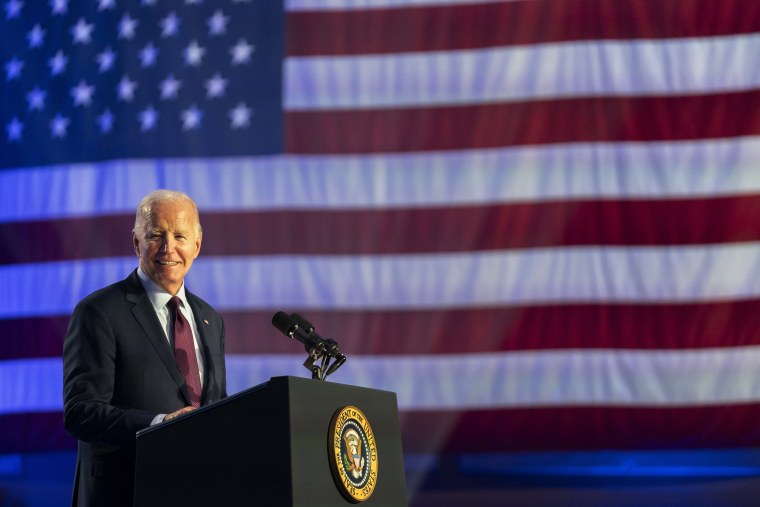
(354, 448)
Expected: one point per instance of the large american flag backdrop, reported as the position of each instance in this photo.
(538, 221)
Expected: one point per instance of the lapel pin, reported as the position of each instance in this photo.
(204, 320)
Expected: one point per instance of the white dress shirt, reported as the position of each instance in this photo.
(159, 298)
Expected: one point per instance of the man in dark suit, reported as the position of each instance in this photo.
(128, 359)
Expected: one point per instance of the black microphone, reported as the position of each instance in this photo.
(305, 324)
(289, 327)
(331, 346)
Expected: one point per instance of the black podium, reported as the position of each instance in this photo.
(267, 446)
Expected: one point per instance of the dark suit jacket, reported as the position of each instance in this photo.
(119, 372)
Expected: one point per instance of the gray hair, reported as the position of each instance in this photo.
(143, 212)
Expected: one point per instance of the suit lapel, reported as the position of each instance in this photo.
(146, 316)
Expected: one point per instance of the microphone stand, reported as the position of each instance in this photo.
(319, 358)
(315, 354)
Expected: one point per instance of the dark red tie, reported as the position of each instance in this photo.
(184, 353)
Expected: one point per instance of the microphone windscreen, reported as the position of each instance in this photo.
(283, 322)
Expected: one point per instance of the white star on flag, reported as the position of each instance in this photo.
(14, 129)
(82, 94)
(241, 52)
(240, 116)
(217, 24)
(105, 121)
(194, 54)
(191, 118)
(58, 63)
(169, 87)
(170, 25)
(36, 36)
(106, 59)
(59, 6)
(82, 32)
(13, 69)
(59, 125)
(12, 9)
(36, 99)
(148, 118)
(127, 27)
(215, 86)
(148, 55)
(126, 89)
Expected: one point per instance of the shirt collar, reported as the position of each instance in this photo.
(157, 294)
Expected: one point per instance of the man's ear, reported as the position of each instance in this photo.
(136, 243)
(198, 246)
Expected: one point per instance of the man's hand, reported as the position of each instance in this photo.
(178, 413)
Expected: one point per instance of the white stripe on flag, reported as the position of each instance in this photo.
(31, 385)
(522, 73)
(517, 379)
(574, 171)
(511, 277)
(539, 379)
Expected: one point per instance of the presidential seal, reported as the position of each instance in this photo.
(353, 454)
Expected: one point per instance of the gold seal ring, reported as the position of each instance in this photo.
(353, 454)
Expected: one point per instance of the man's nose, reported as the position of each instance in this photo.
(167, 244)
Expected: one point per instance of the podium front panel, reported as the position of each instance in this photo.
(269, 446)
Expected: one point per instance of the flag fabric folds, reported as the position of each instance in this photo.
(536, 221)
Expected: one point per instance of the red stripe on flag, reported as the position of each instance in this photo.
(459, 331)
(34, 432)
(410, 230)
(438, 28)
(588, 119)
(574, 428)
(503, 430)
(67, 238)
(482, 330)
(32, 337)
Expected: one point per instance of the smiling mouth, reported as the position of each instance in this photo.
(167, 263)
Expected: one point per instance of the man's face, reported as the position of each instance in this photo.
(168, 243)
